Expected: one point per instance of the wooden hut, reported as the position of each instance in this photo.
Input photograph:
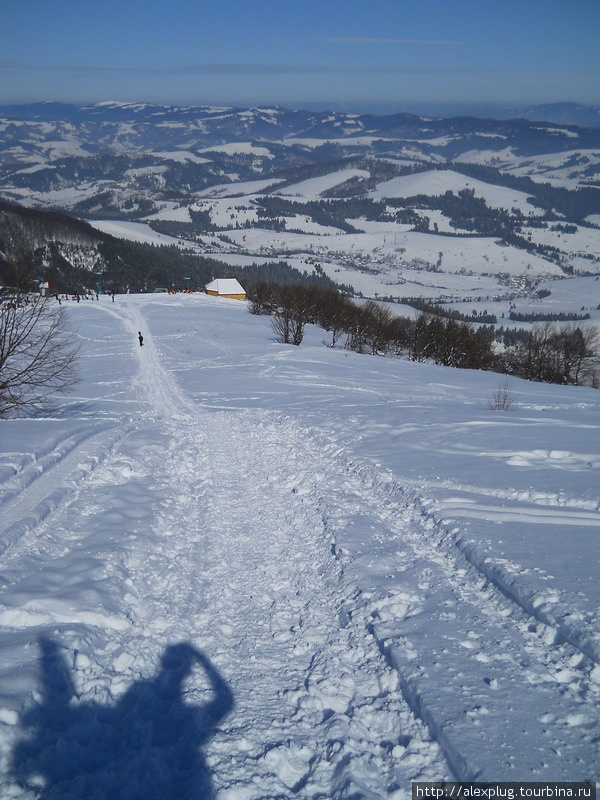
(226, 287)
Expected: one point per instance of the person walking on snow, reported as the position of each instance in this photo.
(141, 338)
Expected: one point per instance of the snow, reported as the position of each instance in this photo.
(35, 168)
(313, 188)
(437, 182)
(137, 172)
(225, 213)
(137, 231)
(236, 148)
(569, 169)
(171, 211)
(384, 259)
(346, 141)
(392, 253)
(236, 567)
(572, 295)
(181, 155)
(225, 286)
(239, 188)
(57, 197)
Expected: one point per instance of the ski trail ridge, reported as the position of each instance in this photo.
(318, 710)
(222, 544)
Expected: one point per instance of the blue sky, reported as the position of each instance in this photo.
(349, 53)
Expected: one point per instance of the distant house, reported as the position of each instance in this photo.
(226, 287)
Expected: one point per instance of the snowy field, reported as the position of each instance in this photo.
(240, 569)
(385, 260)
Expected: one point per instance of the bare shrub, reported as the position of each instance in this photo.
(502, 399)
(37, 359)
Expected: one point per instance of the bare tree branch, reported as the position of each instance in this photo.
(37, 359)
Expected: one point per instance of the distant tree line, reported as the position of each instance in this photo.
(517, 316)
(144, 267)
(482, 317)
(568, 355)
(81, 168)
(371, 327)
(574, 204)
(281, 273)
(552, 354)
(331, 213)
(466, 212)
(200, 223)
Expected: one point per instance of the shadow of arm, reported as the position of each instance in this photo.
(222, 702)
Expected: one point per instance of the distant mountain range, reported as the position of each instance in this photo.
(276, 122)
(561, 113)
(142, 126)
(124, 159)
(585, 116)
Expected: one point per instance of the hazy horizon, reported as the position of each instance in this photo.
(440, 110)
(387, 54)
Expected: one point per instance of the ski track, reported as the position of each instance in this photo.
(39, 489)
(236, 559)
(281, 626)
(438, 576)
(258, 553)
(336, 692)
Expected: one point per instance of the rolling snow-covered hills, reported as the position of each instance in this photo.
(400, 206)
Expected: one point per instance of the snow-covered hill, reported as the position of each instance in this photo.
(437, 183)
(262, 570)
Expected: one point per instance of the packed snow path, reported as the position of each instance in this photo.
(334, 637)
(200, 528)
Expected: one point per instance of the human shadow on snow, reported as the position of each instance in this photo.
(146, 747)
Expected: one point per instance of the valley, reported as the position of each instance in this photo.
(496, 220)
(394, 207)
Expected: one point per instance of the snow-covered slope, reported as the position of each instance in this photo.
(312, 189)
(439, 182)
(236, 566)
